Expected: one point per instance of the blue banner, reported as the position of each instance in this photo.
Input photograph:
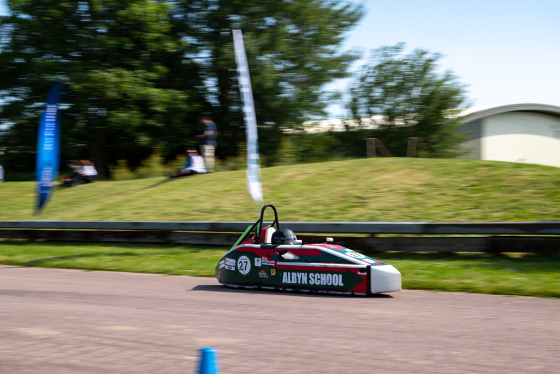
(253, 165)
(48, 148)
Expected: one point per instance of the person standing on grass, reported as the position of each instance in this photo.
(208, 142)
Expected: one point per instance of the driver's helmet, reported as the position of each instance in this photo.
(284, 236)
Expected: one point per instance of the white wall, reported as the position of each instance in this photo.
(525, 137)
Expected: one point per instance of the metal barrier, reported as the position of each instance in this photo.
(421, 236)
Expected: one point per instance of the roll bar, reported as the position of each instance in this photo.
(257, 226)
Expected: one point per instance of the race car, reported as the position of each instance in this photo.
(272, 258)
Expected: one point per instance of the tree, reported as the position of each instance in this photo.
(412, 98)
(293, 50)
(138, 74)
(120, 97)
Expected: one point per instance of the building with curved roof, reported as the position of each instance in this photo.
(525, 133)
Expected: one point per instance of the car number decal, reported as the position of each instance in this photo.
(244, 265)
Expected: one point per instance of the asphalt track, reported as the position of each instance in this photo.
(71, 321)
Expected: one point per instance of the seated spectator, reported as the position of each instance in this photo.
(88, 173)
(74, 178)
(80, 172)
(194, 164)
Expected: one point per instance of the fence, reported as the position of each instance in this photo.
(369, 236)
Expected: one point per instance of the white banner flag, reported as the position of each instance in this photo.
(253, 167)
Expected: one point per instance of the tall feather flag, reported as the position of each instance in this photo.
(253, 167)
(48, 148)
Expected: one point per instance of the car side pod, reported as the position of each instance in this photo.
(384, 278)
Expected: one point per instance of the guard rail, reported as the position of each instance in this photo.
(371, 236)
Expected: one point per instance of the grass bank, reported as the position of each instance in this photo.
(385, 190)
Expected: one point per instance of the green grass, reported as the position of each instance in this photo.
(390, 190)
(387, 190)
(504, 274)
(138, 258)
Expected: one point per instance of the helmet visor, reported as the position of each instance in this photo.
(291, 239)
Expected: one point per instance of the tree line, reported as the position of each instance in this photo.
(137, 75)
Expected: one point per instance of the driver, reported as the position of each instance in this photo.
(284, 236)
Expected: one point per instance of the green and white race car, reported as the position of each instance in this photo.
(273, 258)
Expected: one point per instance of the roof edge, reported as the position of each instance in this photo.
(525, 107)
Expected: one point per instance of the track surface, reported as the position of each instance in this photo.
(71, 321)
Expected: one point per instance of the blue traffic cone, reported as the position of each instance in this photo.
(208, 361)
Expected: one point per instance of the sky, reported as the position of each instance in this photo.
(504, 51)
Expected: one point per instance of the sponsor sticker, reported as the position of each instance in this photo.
(244, 265)
(263, 274)
(272, 272)
(257, 261)
(267, 261)
(354, 254)
(228, 264)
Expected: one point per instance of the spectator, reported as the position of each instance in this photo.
(1, 174)
(194, 164)
(88, 173)
(80, 172)
(208, 142)
(74, 178)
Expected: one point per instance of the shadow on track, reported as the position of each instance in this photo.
(221, 288)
